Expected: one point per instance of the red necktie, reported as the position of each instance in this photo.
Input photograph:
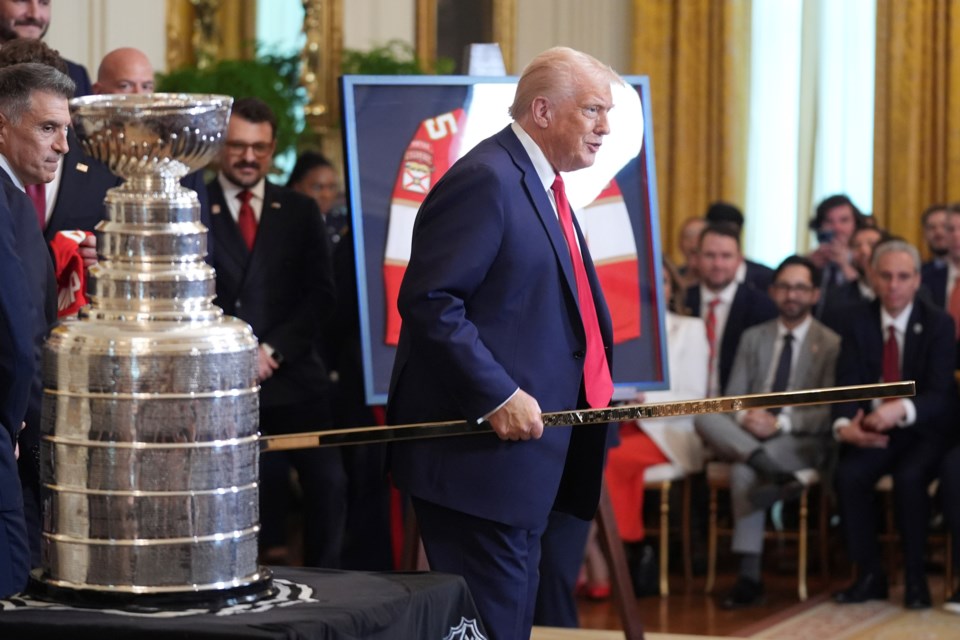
(38, 194)
(596, 374)
(246, 220)
(711, 323)
(891, 357)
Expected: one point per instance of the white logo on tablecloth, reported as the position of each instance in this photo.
(466, 630)
(288, 593)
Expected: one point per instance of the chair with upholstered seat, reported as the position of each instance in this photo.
(718, 477)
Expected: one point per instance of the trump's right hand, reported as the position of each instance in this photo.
(518, 419)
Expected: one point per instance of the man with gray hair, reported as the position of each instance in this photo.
(33, 137)
(503, 317)
(898, 336)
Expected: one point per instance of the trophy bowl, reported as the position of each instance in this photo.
(149, 431)
(158, 134)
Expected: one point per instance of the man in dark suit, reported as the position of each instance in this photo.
(727, 307)
(30, 19)
(795, 351)
(33, 125)
(17, 367)
(73, 200)
(274, 271)
(502, 317)
(899, 336)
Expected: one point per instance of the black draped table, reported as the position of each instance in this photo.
(310, 603)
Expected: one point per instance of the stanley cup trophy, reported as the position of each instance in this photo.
(149, 454)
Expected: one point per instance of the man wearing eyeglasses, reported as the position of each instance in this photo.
(274, 272)
(793, 351)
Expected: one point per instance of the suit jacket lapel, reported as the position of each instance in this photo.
(911, 342)
(268, 221)
(767, 347)
(541, 204)
(228, 235)
(805, 356)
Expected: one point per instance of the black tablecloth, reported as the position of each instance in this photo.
(311, 603)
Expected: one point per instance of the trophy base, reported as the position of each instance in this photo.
(170, 600)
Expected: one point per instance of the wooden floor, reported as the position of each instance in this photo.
(697, 614)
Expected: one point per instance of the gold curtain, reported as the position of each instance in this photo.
(697, 54)
(917, 112)
(215, 29)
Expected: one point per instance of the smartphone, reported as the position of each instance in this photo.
(825, 236)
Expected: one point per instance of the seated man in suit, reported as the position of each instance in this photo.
(727, 307)
(934, 221)
(899, 336)
(795, 351)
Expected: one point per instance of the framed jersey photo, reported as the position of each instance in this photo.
(403, 132)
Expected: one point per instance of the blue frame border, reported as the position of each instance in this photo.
(649, 248)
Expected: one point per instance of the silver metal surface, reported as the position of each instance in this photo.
(149, 446)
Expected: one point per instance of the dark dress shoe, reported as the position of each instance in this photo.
(870, 586)
(745, 593)
(916, 594)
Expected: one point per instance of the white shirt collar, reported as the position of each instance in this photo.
(10, 172)
(726, 294)
(543, 167)
(231, 191)
(799, 332)
(741, 275)
(899, 323)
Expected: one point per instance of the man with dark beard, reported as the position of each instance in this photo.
(794, 351)
(274, 272)
(31, 19)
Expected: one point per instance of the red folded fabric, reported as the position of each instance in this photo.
(71, 276)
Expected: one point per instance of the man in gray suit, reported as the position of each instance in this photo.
(767, 448)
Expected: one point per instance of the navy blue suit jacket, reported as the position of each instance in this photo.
(928, 358)
(42, 295)
(284, 288)
(80, 77)
(17, 367)
(83, 185)
(489, 304)
(933, 275)
(750, 306)
(759, 276)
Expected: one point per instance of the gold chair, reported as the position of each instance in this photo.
(718, 477)
(661, 478)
